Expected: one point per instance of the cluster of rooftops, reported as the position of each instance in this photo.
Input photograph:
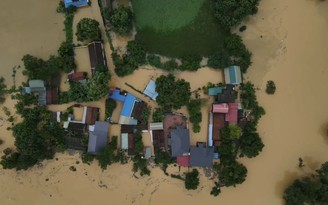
(172, 135)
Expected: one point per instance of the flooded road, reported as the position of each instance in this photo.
(289, 47)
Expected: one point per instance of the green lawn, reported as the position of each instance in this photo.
(176, 28)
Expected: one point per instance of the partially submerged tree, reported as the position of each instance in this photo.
(121, 20)
(194, 109)
(250, 144)
(88, 30)
(232, 174)
(2, 90)
(270, 87)
(192, 179)
(172, 94)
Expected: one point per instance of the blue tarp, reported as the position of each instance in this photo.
(116, 95)
(128, 105)
(76, 3)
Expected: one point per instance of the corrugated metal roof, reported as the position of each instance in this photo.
(150, 90)
(232, 75)
(124, 141)
(77, 3)
(98, 139)
(232, 115)
(183, 161)
(220, 108)
(147, 152)
(201, 156)
(214, 91)
(116, 95)
(36, 84)
(156, 126)
(180, 141)
(128, 105)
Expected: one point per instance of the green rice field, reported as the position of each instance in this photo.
(176, 28)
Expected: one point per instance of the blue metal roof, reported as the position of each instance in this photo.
(150, 90)
(116, 95)
(232, 74)
(76, 3)
(128, 105)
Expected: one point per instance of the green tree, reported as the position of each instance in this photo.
(2, 90)
(190, 62)
(110, 107)
(232, 174)
(121, 20)
(219, 60)
(165, 86)
(230, 132)
(192, 179)
(250, 144)
(231, 12)
(270, 87)
(194, 109)
(108, 154)
(88, 30)
(66, 49)
(97, 86)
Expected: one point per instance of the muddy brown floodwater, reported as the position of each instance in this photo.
(288, 41)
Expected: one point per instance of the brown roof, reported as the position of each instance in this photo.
(96, 54)
(78, 127)
(158, 140)
(52, 95)
(92, 115)
(131, 143)
(218, 123)
(133, 128)
(138, 110)
(77, 76)
(171, 121)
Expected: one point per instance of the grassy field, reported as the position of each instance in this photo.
(178, 28)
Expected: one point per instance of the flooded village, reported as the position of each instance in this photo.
(294, 126)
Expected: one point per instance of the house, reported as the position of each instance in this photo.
(129, 101)
(220, 108)
(75, 127)
(98, 138)
(158, 140)
(214, 91)
(134, 128)
(76, 3)
(201, 156)
(77, 76)
(179, 141)
(218, 120)
(228, 95)
(92, 115)
(131, 144)
(232, 75)
(36, 87)
(170, 122)
(138, 110)
(52, 95)
(232, 115)
(96, 54)
(150, 90)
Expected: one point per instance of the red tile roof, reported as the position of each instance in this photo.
(232, 115)
(220, 108)
(183, 161)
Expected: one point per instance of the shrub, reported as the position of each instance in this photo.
(170, 65)
(88, 30)
(192, 179)
(242, 28)
(190, 62)
(270, 87)
(110, 107)
(121, 20)
(219, 60)
(154, 60)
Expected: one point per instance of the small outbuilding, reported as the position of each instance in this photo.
(96, 54)
(232, 75)
(150, 90)
(214, 91)
(76, 3)
(220, 108)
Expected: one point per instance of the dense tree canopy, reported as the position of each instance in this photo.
(2, 90)
(121, 20)
(192, 179)
(250, 144)
(231, 12)
(172, 94)
(194, 109)
(309, 190)
(219, 60)
(36, 139)
(88, 30)
(232, 174)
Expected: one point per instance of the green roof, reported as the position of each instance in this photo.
(214, 91)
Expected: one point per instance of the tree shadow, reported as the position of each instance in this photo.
(281, 185)
(323, 131)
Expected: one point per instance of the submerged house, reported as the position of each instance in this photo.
(36, 87)
(157, 135)
(150, 90)
(98, 137)
(77, 76)
(132, 107)
(76, 3)
(96, 55)
(232, 75)
(201, 156)
(179, 141)
(52, 95)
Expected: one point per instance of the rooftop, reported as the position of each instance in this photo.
(180, 141)
(98, 139)
(96, 54)
(77, 3)
(201, 156)
(150, 90)
(232, 75)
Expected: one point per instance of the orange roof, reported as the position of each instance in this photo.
(220, 108)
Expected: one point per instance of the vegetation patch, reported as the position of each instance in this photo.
(178, 28)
